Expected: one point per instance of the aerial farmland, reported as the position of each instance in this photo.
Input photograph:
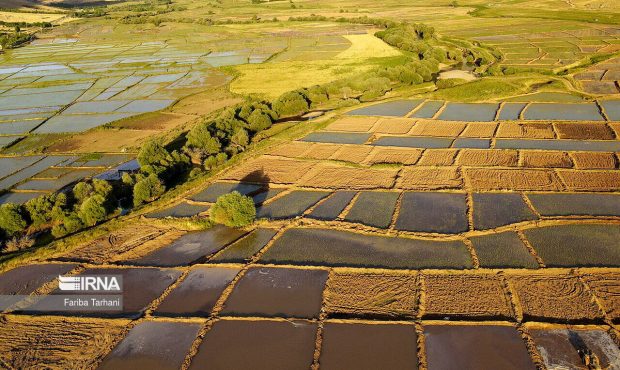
(255, 184)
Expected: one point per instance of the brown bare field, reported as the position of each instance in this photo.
(438, 157)
(371, 294)
(393, 126)
(103, 141)
(322, 150)
(121, 241)
(352, 153)
(331, 176)
(479, 129)
(353, 124)
(525, 130)
(591, 180)
(518, 179)
(488, 157)
(584, 131)
(292, 149)
(594, 160)
(269, 169)
(556, 297)
(424, 178)
(606, 287)
(394, 155)
(465, 295)
(435, 128)
(56, 342)
(545, 159)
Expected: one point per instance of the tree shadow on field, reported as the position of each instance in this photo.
(258, 177)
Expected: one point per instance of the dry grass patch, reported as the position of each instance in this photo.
(438, 157)
(292, 149)
(352, 153)
(525, 130)
(594, 160)
(371, 294)
(479, 129)
(556, 297)
(544, 159)
(393, 125)
(518, 179)
(270, 169)
(435, 128)
(367, 46)
(465, 295)
(49, 342)
(430, 178)
(488, 157)
(338, 177)
(353, 124)
(394, 155)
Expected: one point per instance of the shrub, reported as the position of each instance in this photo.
(17, 244)
(11, 219)
(147, 190)
(233, 210)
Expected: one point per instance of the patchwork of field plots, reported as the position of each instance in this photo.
(26, 177)
(70, 86)
(554, 49)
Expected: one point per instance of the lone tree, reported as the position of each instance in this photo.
(233, 210)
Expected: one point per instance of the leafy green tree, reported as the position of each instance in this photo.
(11, 219)
(233, 210)
(147, 190)
(93, 210)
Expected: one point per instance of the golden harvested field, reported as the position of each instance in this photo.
(405, 156)
(522, 179)
(353, 124)
(489, 157)
(538, 159)
(339, 177)
(525, 130)
(56, 342)
(429, 178)
(33, 17)
(560, 297)
(271, 169)
(393, 126)
(367, 46)
(591, 180)
(438, 157)
(372, 294)
(465, 295)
